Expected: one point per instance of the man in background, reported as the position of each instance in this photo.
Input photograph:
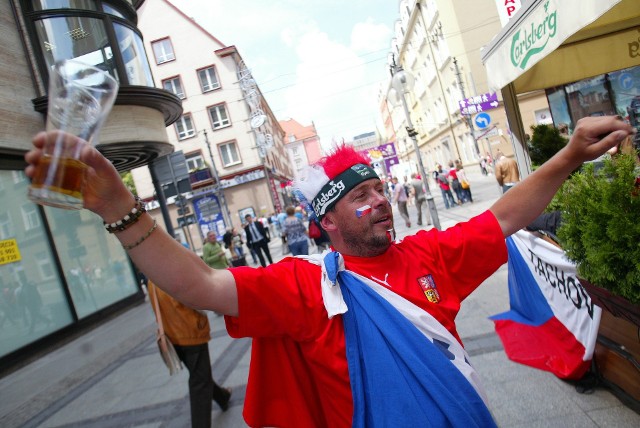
(506, 172)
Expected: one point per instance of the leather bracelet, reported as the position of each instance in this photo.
(142, 238)
(129, 219)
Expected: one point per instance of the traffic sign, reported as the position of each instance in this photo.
(482, 120)
(479, 103)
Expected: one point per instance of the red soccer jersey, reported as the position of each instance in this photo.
(298, 375)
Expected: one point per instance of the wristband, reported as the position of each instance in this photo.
(129, 219)
(142, 238)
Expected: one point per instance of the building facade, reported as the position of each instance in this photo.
(439, 43)
(233, 144)
(302, 143)
(60, 271)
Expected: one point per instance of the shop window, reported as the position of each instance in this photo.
(163, 51)
(174, 85)
(184, 127)
(219, 117)
(229, 153)
(208, 79)
(32, 300)
(95, 266)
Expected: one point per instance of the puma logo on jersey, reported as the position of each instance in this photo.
(379, 281)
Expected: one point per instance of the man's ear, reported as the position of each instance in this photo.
(327, 222)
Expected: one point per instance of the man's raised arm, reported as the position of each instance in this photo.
(167, 263)
(593, 136)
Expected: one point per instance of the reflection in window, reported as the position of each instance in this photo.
(64, 4)
(175, 86)
(32, 301)
(229, 153)
(163, 51)
(45, 266)
(94, 263)
(30, 216)
(184, 127)
(133, 56)
(6, 225)
(208, 79)
(111, 11)
(84, 39)
(219, 117)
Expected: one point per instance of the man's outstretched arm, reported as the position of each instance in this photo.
(593, 137)
(166, 262)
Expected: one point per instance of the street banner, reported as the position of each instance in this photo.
(552, 324)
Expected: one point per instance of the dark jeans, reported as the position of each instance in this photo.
(202, 388)
(447, 196)
(299, 248)
(260, 247)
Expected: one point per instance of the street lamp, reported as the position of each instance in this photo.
(401, 83)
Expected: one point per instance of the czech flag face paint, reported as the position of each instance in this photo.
(363, 211)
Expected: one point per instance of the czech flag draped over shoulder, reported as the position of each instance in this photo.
(552, 324)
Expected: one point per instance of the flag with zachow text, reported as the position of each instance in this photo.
(552, 324)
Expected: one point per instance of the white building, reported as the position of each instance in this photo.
(224, 117)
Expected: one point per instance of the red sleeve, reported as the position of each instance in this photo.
(269, 298)
(468, 252)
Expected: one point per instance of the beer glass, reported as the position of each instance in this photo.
(80, 98)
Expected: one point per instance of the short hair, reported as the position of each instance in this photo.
(247, 216)
(290, 210)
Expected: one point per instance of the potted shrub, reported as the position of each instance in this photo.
(600, 229)
(600, 232)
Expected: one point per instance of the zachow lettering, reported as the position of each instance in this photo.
(567, 285)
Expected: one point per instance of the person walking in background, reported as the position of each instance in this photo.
(420, 198)
(454, 183)
(443, 183)
(296, 233)
(213, 254)
(189, 332)
(464, 182)
(400, 197)
(507, 173)
(258, 239)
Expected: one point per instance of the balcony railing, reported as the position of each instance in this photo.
(200, 177)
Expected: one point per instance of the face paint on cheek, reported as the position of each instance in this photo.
(362, 211)
(391, 235)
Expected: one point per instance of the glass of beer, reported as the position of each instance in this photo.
(80, 98)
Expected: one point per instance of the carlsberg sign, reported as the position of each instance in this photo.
(531, 39)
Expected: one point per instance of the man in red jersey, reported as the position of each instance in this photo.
(301, 371)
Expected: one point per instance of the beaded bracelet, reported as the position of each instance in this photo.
(129, 219)
(142, 238)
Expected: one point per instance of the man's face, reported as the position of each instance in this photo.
(363, 236)
(211, 237)
(249, 219)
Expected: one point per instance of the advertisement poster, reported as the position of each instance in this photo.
(209, 215)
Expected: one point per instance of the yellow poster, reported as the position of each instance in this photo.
(9, 251)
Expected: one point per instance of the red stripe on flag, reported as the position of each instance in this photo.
(549, 346)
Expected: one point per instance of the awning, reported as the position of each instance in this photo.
(551, 42)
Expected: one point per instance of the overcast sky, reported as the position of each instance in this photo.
(319, 61)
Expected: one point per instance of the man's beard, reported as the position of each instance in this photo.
(366, 246)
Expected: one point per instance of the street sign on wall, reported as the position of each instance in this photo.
(479, 103)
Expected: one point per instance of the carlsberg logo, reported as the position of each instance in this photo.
(532, 39)
(323, 200)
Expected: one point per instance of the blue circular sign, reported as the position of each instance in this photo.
(482, 120)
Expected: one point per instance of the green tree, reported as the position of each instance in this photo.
(545, 142)
(127, 179)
